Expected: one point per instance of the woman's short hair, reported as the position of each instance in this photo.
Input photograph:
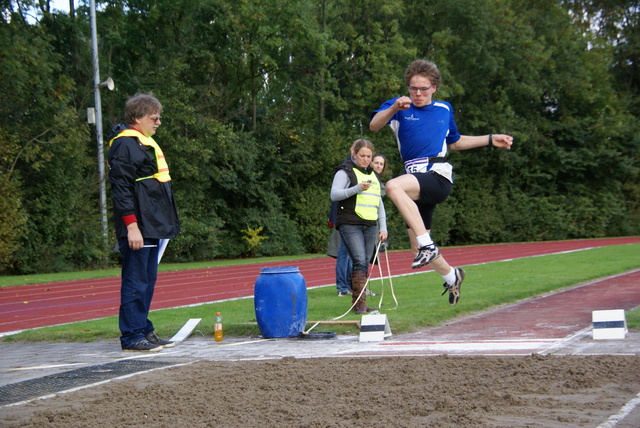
(141, 105)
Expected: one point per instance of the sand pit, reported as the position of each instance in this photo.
(440, 391)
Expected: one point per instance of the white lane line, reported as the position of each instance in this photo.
(102, 382)
(466, 347)
(563, 343)
(624, 411)
(53, 366)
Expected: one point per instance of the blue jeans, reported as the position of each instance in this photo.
(139, 273)
(360, 242)
(343, 269)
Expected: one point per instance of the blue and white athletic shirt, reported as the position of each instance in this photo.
(424, 132)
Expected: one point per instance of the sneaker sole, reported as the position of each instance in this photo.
(454, 291)
(419, 265)
(160, 342)
(158, 349)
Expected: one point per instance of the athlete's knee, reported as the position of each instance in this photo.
(401, 186)
(393, 187)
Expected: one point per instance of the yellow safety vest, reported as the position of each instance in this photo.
(163, 168)
(367, 202)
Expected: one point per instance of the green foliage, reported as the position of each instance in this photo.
(254, 239)
(46, 166)
(12, 221)
(262, 100)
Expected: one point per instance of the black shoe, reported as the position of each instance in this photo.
(155, 340)
(143, 346)
(425, 256)
(454, 289)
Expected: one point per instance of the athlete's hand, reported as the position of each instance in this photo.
(502, 140)
(403, 103)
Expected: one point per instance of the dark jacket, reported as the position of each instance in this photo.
(151, 201)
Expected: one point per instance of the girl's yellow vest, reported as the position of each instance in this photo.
(367, 202)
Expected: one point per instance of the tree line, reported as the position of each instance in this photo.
(262, 99)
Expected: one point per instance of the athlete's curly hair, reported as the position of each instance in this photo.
(423, 68)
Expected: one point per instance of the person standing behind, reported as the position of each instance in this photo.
(144, 213)
(379, 165)
(425, 129)
(338, 251)
(357, 187)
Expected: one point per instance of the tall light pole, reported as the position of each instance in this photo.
(98, 120)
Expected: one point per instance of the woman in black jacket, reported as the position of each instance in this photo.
(357, 188)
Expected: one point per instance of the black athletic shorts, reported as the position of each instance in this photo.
(434, 189)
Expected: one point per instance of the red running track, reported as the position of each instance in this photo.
(31, 306)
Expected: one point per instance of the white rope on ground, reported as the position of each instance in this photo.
(363, 290)
(312, 327)
(353, 301)
(353, 304)
(393, 294)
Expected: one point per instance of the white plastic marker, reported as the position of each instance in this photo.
(162, 245)
(609, 324)
(186, 330)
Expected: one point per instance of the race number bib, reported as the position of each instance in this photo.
(417, 165)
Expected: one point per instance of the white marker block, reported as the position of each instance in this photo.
(374, 328)
(610, 324)
(186, 330)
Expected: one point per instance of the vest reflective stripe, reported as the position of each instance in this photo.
(367, 202)
(163, 168)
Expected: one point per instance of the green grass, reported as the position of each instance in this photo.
(420, 302)
(7, 281)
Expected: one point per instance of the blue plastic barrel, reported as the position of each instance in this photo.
(280, 300)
